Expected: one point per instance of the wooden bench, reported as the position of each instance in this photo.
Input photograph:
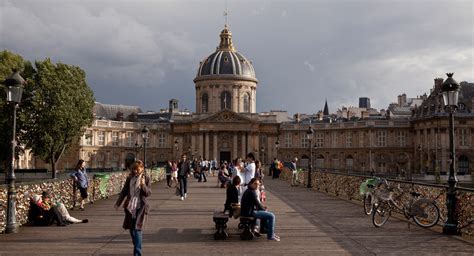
(221, 220)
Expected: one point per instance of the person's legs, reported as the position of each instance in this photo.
(136, 239)
(181, 185)
(269, 218)
(168, 180)
(204, 176)
(185, 185)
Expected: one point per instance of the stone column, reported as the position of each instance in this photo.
(214, 144)
(244, 146)
(200, 145)
(206, 146)
(235, 154)
(193, 144)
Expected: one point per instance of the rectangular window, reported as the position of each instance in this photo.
(382, 138)
(319, 140)
(462, 137)
(101, 138)
(115, 138)
(161, 140)
(304, 140)
(349, 139)
(130, 142)
(288, 139)
(334, 138)
(382, 168)
(401, 138)
(89, 138)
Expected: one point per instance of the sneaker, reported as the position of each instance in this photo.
(274, 238)
(182, 198)
(85, 220)
(81, 208)
(185, 195)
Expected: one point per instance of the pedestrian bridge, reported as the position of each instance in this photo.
(308, 222)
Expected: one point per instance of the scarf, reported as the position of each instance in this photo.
(134, 192)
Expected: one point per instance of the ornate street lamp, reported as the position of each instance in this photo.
(14, 88)
(310, 133)
(277, 145)
(145, 133)
(176, 142)
(450, 89)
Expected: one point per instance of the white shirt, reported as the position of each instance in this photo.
(249, 172)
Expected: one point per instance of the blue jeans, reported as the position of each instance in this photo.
(269, 218)
(183, 185)
(136, 239)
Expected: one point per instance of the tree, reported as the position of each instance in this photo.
(60, 110)
(8, 62)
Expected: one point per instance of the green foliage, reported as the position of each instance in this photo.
(8, 62)
(60, 110)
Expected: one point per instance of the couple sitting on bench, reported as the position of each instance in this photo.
(251, 206)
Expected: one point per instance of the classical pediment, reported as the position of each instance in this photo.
(226, 116)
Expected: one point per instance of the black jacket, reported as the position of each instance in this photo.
(250, 203)
(184, 168)
(232, 197)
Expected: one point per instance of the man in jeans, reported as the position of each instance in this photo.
(252, 207)
(294, 177)
(183, 171)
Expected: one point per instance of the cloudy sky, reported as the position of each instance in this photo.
(146, 52)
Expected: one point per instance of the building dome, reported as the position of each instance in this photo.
(225, 61)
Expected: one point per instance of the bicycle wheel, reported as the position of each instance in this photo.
(425, 213)
(368, 206)
(380, 214)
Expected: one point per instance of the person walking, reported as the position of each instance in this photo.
(134, 196)
(169, 170)
(183, 172)
(294, 172)
(81, 182)
(174, 173)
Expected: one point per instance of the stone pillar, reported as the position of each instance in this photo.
(200, 145)
(193, 145)
(206, 146)
(214, 144)
(244, 146)
(235, 154)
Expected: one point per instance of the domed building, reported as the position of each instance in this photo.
(226, 80)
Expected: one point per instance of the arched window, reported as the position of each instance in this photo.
(246, 103)
(205, 103)
(320, 161)
(463, 165)
(226, 100)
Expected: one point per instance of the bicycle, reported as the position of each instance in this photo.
(423, 211)
(367, 189)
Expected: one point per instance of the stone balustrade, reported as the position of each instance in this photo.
(102, 186)
(347, 187)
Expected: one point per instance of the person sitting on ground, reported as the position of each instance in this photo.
(232, 195)
(43, 212)
(223, 176)
(252, 207)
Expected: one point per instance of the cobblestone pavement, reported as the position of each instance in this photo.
(308, 222)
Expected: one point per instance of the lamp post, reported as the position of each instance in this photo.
(277, 145)
(14, 88)
(176, 142)
(310, 133)
(145, 133)
(450, 90)
(421, 160)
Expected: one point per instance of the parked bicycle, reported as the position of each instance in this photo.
(367, 189)
(423, 211)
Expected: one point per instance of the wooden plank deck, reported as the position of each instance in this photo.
(308, 222)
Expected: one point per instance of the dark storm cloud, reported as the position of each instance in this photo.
(146, 52)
